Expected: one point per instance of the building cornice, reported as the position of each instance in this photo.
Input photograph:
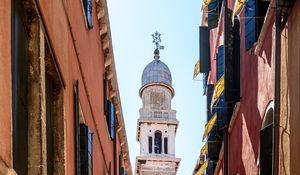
(111, 75)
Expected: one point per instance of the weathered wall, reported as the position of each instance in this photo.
(289, 139)
(78, 54)
(5, 84)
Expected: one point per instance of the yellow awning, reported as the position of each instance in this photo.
(204, 149)
(219, 88)
(209, 126)
(206, 3)
(197, 69)
(202, 168)
(238, 5)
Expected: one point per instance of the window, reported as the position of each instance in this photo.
(157, 142)
(150, 144)
(266, 144)
(105, 102)
(255, 11)
(87, 5)
(110, 119)
(86, 147)
(77, 128)
(166, 145)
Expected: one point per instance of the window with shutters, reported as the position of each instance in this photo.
(214, 9)
(110, 119)
(266, 144)
(86, 148)
(166, 145)
(157, 142)
(255, 12)
(87, 8)
(150, 144)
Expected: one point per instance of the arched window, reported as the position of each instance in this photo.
(157, 142)
(266, 143)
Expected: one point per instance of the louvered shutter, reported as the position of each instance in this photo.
(111, 121)
(88, 12)
(77, 128)
(220, 62)
(232, 68)
(250, 23)
(204, 49)
(213, 13)
(84, 149)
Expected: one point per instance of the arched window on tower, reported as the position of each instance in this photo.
(266, 143)
(157, 142)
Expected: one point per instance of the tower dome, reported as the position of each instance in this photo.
(156, 72)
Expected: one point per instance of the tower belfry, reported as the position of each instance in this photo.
(157, 124)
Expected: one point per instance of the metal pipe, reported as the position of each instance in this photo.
(277, 70)
(225, 130)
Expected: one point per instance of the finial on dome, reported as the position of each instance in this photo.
(157, 41)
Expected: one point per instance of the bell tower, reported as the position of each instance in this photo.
(157, 124)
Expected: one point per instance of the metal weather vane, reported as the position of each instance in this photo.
(157, 41)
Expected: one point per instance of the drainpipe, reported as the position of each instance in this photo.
(277, 89)
(225, 130)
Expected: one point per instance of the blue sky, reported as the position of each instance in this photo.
(132, 23)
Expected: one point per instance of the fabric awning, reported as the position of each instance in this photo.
(219, 89)
(196, 69)
(204, 149)
(206, 3)
(238, 5)
(209, 126)
(202, 168)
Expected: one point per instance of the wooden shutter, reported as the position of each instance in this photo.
(88, 12)
(112, 121)
(90, 152)
(213, 13)
(105, 100)
(266, 138)
(250, 23)
(210, 91)
(150, 144)
(204, 49)
(232, 68)
(220, 62)
(77, 128)
(84, 149)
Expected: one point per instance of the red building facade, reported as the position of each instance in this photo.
(60, 105)
(237, 59)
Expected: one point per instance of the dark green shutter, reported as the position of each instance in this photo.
(232, 67)
(204, 49)
(220, 62)
(77, 129)
(88, 12)
(84, 149)
(214, 9)
(166, 145)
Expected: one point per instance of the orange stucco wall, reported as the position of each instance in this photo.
(79, 56)
(5, 83)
